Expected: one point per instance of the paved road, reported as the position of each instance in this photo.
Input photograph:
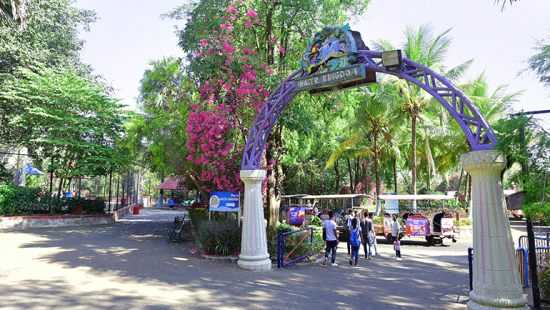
(130, 265)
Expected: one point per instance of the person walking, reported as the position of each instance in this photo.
(347, 228)
(330, 234)
(356, 238)
(395, 237)
(367, 228)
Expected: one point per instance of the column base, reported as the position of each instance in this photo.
(255, 265)
(475, 306)
(480, 302)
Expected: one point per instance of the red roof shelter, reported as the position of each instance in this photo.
(169, 184)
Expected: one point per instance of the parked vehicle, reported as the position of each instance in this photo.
(415, 225)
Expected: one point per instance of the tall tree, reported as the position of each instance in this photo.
(540, 62)
(427, 49)
(371, 125)
(68, 118)
(277, 31)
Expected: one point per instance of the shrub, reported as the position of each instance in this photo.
(197, 217)
(544, 282)
(8, 193)
(17, 201)
(272, 236)
(283, 228)
(220, 237)
(315, 221)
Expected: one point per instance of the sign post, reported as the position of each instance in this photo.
(225, 202)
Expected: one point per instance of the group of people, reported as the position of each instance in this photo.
(356, 232)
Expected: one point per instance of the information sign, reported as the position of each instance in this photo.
(392, 206)
(224, 201)
(296, 215)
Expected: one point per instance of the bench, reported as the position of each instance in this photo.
(175, 232)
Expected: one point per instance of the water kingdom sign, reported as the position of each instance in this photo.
(331, 62)
(347, 74)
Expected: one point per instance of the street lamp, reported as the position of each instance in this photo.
(392, 60)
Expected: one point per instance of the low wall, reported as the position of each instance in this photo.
(24, 222)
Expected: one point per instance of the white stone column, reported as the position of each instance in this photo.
(254, 254)
(496, 279)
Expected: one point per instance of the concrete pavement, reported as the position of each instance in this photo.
(130, 265)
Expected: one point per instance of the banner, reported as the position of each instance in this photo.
(392, 206)
(418, 226)
(224, 201)
(296, 215)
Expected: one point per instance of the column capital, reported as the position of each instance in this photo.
(253, 175)
(483, 162)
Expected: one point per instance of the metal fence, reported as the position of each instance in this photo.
(521, 257)
(283, 260)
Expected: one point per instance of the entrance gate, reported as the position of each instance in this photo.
(496, 282)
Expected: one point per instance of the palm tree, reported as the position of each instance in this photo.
(161, 85)
(372, 122)
(426, 49)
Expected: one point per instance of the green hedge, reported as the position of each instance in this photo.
(217, 237)
(220, 237)
(18, 201)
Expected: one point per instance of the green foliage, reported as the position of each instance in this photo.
(523, 142)
(67, 117)
(544, 281)
(5, 175)
(540, 62)
(272, 237)
(198, 217)
(283, 228)
(463, 221)
(220, 237)
(17, 201)
(315, 220)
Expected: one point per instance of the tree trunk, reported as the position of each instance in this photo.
(376, 166)
(271, 183)
(394, 161)
(357, 171)
(337, 172)
(350, 177)
(204, 194)
(413, 158)
(275, 175)
(460, 180)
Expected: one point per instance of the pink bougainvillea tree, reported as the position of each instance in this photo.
(231, 94)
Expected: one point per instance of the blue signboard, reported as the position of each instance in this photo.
(392, 206)
(418, 226)
(296, 215)
(224, 201)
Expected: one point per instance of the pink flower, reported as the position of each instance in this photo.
(251, 13)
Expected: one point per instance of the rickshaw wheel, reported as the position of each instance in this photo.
(430, 240)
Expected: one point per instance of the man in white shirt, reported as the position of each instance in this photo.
(331, 237)
(395, 236)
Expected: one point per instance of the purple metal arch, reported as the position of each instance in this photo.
(476, 128)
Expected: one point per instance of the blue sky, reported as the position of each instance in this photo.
(129, 34)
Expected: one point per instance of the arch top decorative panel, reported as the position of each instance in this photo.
(472, 122)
